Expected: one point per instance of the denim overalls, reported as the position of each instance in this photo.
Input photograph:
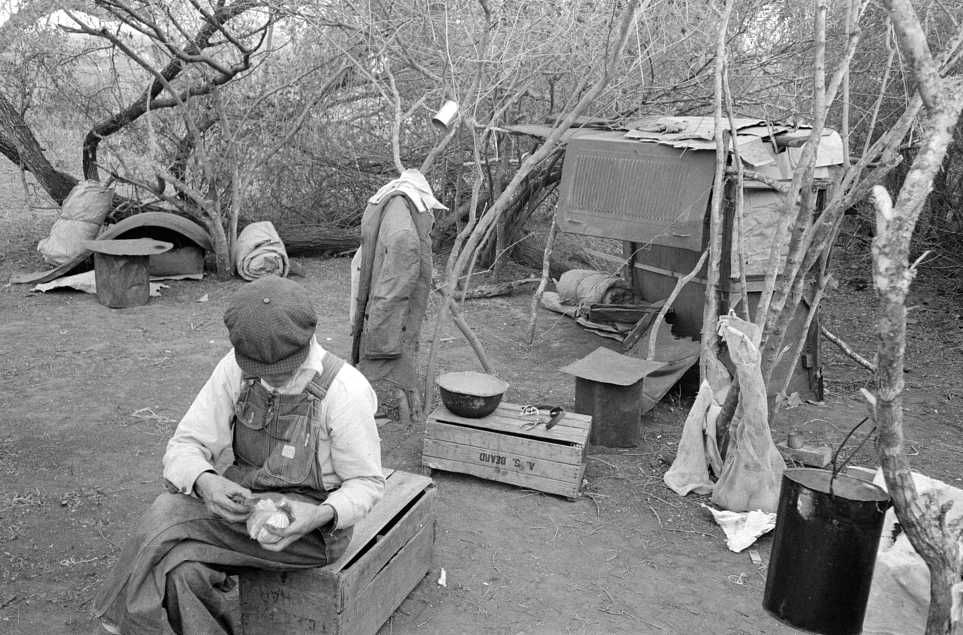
(276, 439)
(276, 436)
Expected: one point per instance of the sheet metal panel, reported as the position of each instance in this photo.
(613, 187)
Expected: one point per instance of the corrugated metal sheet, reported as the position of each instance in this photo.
(613, 187)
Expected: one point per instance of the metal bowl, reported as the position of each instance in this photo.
(471, 394)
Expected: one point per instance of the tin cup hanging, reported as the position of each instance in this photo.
(446, 116)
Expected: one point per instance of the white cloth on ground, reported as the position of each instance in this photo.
(87, 282)
(743, 528)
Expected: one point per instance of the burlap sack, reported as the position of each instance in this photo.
(81, 216)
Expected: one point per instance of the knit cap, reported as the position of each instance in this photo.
(270, 322)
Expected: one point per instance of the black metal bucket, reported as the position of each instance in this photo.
(824, 550)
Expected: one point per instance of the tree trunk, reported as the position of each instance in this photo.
(922, 519)
(709, 340)
(18, 144)
(222, 253)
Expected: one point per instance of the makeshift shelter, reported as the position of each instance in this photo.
(649, 184)
(189, 241)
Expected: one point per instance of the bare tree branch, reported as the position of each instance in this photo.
(189, 53)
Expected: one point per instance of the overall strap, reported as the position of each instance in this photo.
(319, 384)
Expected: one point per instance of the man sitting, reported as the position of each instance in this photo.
(300, 423)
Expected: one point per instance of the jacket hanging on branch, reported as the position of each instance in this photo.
(391, 276)
(753, 468)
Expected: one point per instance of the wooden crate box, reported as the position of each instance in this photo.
(390, 552)
(499, 447)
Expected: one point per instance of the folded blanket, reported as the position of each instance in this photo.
(259, 252)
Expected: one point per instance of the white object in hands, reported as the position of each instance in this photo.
(265, 514)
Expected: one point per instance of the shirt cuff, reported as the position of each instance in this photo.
(185, 475)
(341, 507)
(194, 484)
(332, 524)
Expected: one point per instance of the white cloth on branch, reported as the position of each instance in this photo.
(412, 184)
(690, 470)
(752, 473)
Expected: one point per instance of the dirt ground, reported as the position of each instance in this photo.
(89, 395)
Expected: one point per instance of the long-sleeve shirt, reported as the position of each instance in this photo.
(350, 459)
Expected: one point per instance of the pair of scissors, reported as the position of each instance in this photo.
(539, 413)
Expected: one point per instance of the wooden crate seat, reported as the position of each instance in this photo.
(390, 552)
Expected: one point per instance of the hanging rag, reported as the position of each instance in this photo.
(258, 252)
(697, 451)
(752, 472)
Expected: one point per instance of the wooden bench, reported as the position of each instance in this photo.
(390, 552)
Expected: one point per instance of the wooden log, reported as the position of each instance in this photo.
(494, 289)
(315, 240)
(529, 253)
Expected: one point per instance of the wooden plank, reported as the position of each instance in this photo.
(640, 327)
(363, 570)
(510, 412)
(400, 488)
(623, 314)
(374, 604)
(550, 486)
(502, 443)
(507, 418)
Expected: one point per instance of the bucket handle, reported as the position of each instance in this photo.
(838, 467)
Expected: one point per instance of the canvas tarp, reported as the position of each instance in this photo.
(760, 218)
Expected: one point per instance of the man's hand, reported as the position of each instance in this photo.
(224, 497)
(305, 518)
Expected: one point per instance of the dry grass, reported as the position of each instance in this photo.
(24, 220)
